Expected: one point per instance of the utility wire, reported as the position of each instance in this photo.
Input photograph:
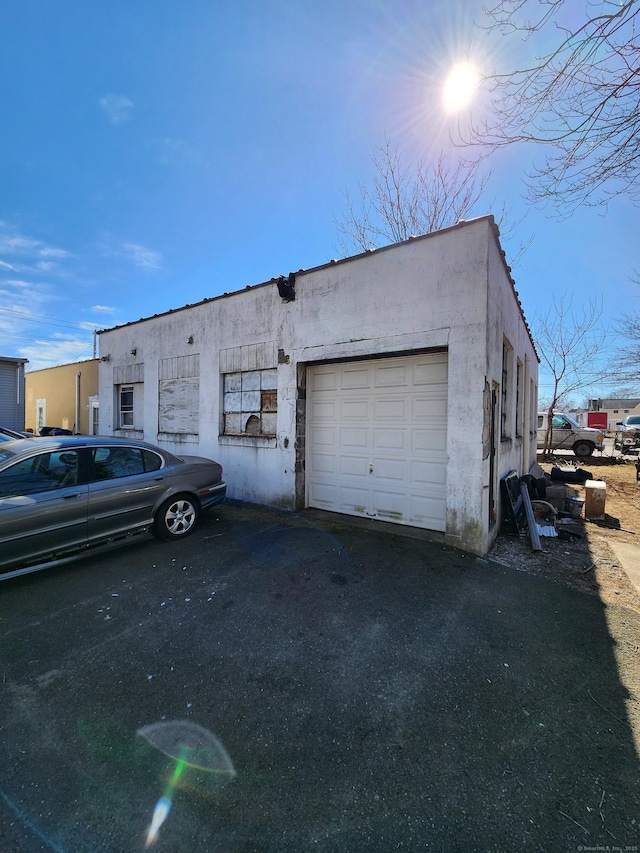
(37, 318)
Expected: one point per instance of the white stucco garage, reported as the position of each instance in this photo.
(398, 385)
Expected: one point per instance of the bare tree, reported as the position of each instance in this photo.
(404, 200)
(578, 99)
(624, 367)
(570, 345)
(627, 364)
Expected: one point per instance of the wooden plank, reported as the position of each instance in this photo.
(531, 519)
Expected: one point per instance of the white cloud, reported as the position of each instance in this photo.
(134, 253)
(104, 309)
(141, 256)
(117, 107)
(59, 350)
(173, 150)
(14, 244)
(38, 316)
(51, 252)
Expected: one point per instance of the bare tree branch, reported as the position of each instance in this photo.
(578, 100)
(627, 362)
(570, 345)
(403, 201)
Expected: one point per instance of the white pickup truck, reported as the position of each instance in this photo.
(567, 434)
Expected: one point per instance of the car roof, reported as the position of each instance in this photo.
(29, 447)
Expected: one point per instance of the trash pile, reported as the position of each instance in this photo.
(550, 505)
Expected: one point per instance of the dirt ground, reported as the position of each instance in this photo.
(587, 563)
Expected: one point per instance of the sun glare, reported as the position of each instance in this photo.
(460, 87)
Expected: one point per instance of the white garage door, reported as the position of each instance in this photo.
(377, 439)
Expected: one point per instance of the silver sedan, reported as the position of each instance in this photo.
(60, 496)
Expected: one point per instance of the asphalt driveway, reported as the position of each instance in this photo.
(375, 692)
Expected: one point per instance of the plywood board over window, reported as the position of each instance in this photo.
(179, 395)
(251, 402)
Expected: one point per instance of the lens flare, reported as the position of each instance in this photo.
(160, 814)
(192, 747)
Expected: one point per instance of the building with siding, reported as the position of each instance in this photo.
(617, 409)
(12, 392)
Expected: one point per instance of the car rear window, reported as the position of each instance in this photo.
(113, 462)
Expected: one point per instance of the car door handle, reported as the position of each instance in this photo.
(158, 479)
(68, 497)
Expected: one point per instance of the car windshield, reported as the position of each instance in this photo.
(572, 422)
(634, 419)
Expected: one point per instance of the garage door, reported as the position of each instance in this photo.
(377, 439)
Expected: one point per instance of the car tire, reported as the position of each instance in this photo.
(583, 448)
(176, 518)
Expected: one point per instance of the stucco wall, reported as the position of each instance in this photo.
(57, 386)
(504, 322)
(430, 292)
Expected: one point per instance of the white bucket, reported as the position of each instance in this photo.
(574, 506)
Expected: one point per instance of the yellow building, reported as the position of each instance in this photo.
(65, 396)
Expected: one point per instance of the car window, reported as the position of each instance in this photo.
(113, 462)
(559, 422)
(634, 419)
(152, 462)
(41, 473)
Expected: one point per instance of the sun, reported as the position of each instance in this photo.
(460, 86)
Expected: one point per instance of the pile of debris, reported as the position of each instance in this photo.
(551, 504)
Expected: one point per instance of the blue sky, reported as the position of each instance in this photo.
(153, 154)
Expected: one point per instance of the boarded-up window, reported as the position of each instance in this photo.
(179, 394)
(251, 402)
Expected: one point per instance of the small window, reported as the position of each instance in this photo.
(126, 407)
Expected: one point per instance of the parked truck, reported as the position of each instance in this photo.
(567, 434)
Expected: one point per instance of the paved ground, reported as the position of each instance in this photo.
(629, 557)
(375, 692)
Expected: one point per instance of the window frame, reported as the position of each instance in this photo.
(249, 404)
(506, 391)
(128, 389)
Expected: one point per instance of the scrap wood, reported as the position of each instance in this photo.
(531, 519)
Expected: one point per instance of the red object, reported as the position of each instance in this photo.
(598, 420)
